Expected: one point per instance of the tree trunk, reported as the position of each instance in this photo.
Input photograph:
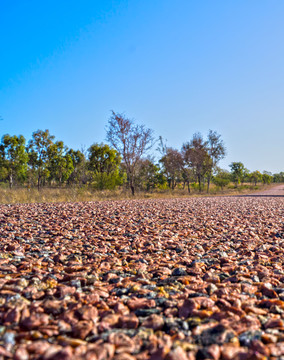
(199, 183)
(38, 181)
(188, 187)
(10, 180)
(131, 183)
(208, 183)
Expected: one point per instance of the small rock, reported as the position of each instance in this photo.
(122, 342)
(187, 308)
(177, 354)
(88, 312)
(179, 272)
(248, 336)
(130, 321)
(160, 354)
(154, 321)
(135, 304)
(12, 316)
(21, 353)
(124, 356)
(9, 338)
(211, 288)
(76, 283)
(230, 352)
(5, 353)
(218, 334)
(34, 321)
(51, 351)
(147, 312)
(274, 323)
(82, 329)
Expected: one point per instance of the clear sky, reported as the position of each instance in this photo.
(177, 66)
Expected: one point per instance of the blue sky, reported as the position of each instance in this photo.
(179, 67)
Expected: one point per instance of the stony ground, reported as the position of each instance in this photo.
(159, 279)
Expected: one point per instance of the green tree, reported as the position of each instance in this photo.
(104, 165)
(278, 178)
(267, 177)
(38, 150)
(131, 142)
(246, 176)
(14, 157)
(237, 172)
(221, 178)
(216, 151)
(60, 164)
(150, 175)
(172, 163)
(79, 174)
(255, 177)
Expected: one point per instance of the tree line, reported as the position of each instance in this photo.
(125, 161)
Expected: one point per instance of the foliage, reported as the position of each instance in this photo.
(38, 150)
(45, 161)
(104, 167)
(221, 178)
(60, 164)
(79, 173)
(279, 178)
(172, 163)
(14, 158)
(267, 177)
(255, 177)
(216, 151)
(237, 172)
(150, 176)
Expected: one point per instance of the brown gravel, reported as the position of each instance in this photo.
(159, 279)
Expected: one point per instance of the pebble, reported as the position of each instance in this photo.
(179, 272)
(141, 279)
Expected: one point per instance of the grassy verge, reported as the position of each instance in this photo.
(74, 194)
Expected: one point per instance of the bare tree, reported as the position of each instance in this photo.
(196, 156)
(131, 141)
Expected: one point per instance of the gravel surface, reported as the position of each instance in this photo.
(173, 279)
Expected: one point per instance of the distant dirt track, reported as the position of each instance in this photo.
(277, 191)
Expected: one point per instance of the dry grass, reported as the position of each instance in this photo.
(74, 194)
(46, 195)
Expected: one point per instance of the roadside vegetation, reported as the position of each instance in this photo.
(44, 169)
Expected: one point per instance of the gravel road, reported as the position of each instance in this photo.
(179, 279)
